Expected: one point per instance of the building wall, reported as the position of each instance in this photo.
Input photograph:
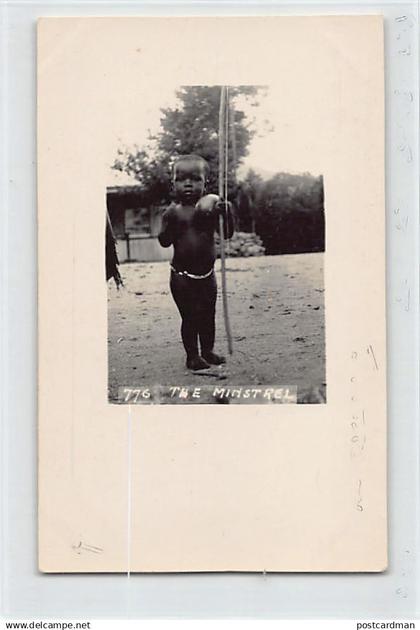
(145, 249)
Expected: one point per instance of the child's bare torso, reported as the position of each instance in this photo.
(191, 232)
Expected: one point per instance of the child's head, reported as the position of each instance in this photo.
(189, 177)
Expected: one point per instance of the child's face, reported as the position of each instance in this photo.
(189, 180)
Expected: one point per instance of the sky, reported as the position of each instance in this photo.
(283, 149)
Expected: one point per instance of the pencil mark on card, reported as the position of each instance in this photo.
(359, 505)
(405, 301)
(372, 354)
(402, 221)
(358, 435)
(406, 95)
(405, 51)
(85, 547)
(407, 20)
(407, 306)
(405, 148)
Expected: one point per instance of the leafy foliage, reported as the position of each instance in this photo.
(248, 199)
(191, 127)
(289, 213)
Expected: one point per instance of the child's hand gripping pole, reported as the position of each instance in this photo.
(223, 185)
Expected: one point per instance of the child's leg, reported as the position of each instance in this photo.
(183, 294)
(207, 326)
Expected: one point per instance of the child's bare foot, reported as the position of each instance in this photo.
(197, 363)
(213, 358)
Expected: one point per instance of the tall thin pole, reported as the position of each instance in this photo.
(223, 120)
(232, 133)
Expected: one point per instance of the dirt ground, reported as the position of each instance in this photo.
(276, 308)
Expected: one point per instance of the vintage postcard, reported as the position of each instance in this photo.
(212, 351)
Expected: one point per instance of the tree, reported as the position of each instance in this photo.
(152, 173)
(191, 127)
(247, 198)
(290, 213)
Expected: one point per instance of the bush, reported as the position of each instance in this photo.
(291, 232)
(288, 212)
(242, 244)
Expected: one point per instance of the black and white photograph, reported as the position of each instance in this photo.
(214, 251)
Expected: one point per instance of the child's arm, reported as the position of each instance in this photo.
(225, 210)
(214, 207)
(166, 235)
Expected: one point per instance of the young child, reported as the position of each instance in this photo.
(189, 225)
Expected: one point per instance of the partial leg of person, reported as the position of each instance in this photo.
(207, 326)
(183, 293)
